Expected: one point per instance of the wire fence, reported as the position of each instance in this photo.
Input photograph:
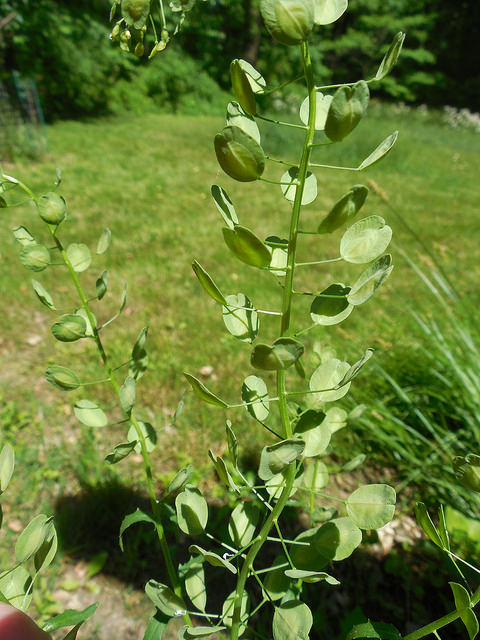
(22, 125)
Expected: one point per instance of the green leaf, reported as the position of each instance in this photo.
(292, 620)
(212, 558)
(148, 433)
(391, 57)
(325, 379)
(222, 471)
(72, 634)
(375, 631)
(322, 105)
(90, 414)
(247, 247)
(69, 327)
(180, 480)
(464, 607)
(314, 430)
(370, 280)
(242, 88)
(192, 511)
(276, 457)
(79, 256)
(101, 285)
(243, 523)
(164, 599)
(157, 624)
(195, 585)
(202, 632)
(62, 378)
(35, 256)
(239, 155)
(425, 521)
(256, 80)
(241, 323)
(128, 394)
(334, 540)
(289, 190)
(52, 208)
(365, 240)
(7, 465)
(23, 236)
(354, 463)
(355, 369)
(96, 564)
(45, 555)
(379, 152)
(344, 209)
(442, 528)
(288, 21)
(327, 11)
(275, 583)
(372, 506)
(43, 295)
(203, 393)
(32, 538)
(14, 585)
(227, 610)
(207, 283)
(331, 306)
(133, 518)
(232, 443)
(349, 105)
(104, 241)
(139, 362)
(225, 206)
(311, 576)
(120, 451)
(254, 390)
(282, 354)
(3, 203)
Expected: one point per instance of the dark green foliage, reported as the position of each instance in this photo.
(65, 48)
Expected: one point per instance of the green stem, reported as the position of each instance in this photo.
(116, 387)
(284, 330)
(432, 627)
(285, 124)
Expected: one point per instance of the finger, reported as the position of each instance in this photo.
(16, 625)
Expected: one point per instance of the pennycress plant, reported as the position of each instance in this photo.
(137, 16)
(301, 425)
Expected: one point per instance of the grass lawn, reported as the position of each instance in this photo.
(148, 179)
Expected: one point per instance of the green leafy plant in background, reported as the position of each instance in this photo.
(301, 422)
(428, 413)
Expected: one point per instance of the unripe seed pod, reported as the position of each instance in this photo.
(239, 155)
(139, 49)
(135, 12)
(115, 32)
(288, 21)
(52, 208)
(242, 88)
(348, 106)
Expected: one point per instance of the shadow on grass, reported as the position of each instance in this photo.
(407, 588)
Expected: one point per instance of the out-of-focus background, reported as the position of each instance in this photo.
(133, 139)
